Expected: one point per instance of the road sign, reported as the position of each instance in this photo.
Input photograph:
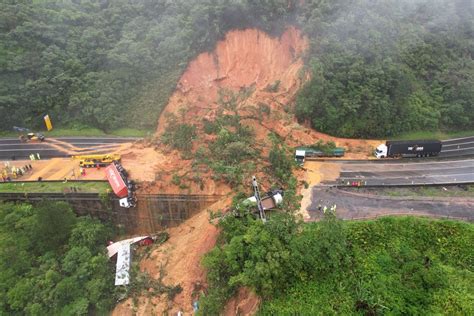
(48, 123)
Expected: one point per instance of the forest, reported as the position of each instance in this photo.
(393, 266)
(53, 262)
(377, 69)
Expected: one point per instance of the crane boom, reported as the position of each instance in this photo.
(259, 201)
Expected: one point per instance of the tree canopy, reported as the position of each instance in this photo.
(388, 266)
(377, 68)
(390, 67)
(52, 262)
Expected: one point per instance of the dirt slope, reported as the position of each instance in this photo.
(180, 259)
(250, 59)
(244, 59)
(271, 70)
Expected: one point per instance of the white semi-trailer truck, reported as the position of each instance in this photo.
(408, 148)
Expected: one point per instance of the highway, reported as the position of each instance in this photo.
(408, 173)
(455, 164)
(354, 205)
(458, 147)
(13, 149)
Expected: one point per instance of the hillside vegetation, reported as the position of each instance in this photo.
(376, 70)
(52, 262)
(400, 266)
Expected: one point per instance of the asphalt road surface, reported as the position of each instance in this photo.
(408, 173)
(458, 147)
(13, 149)
(352, 205)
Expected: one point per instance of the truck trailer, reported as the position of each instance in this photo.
(121, 185)
(408, 148)
(304, 152)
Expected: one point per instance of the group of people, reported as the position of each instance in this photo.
(15, 172)
(325, 209)
(35, 157)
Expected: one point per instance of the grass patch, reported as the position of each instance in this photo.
(53, 187)
(90, 131)
(131, 132)
(85, 132)
(428, 191)
(433, 135)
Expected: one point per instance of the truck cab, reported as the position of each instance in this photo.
(381, 151)
(299, 156)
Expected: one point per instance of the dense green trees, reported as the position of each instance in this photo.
(53, 263)
(391, 67)
(378, 69)
(108, 64)
(392, 265)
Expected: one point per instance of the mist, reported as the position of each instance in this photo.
(367, 24)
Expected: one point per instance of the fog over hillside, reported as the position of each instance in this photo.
(89, 62)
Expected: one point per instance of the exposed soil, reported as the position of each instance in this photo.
(245, 302)
(180, 258)
(56, 169)
(314, 172)
(251, 60)
(268, 71)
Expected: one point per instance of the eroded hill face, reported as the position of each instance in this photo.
(270, 69)
(248, 59)
(268, 73)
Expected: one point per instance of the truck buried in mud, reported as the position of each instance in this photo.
(408, 148)
(318, 150)
(301, 153)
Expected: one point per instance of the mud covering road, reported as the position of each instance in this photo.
(408, 173)
(353, 205)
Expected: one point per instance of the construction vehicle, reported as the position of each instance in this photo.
(258, 199)
(266, 202)
(32, 137)
(270, 200)
(91, 161)
(408, 148)
(28, 136)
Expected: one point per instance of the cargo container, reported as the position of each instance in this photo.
(116, 181)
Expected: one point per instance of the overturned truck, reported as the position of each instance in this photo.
(122, 187)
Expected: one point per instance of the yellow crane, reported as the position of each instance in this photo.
(90, 161)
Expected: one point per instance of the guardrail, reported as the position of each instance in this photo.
(349, 183)
(46, 181)
(372, 217)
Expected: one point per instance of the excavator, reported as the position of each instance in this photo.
(28, 136)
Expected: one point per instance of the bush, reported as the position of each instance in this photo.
(180, 136)
(392, 265)
(281, 163)
(53, 269)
